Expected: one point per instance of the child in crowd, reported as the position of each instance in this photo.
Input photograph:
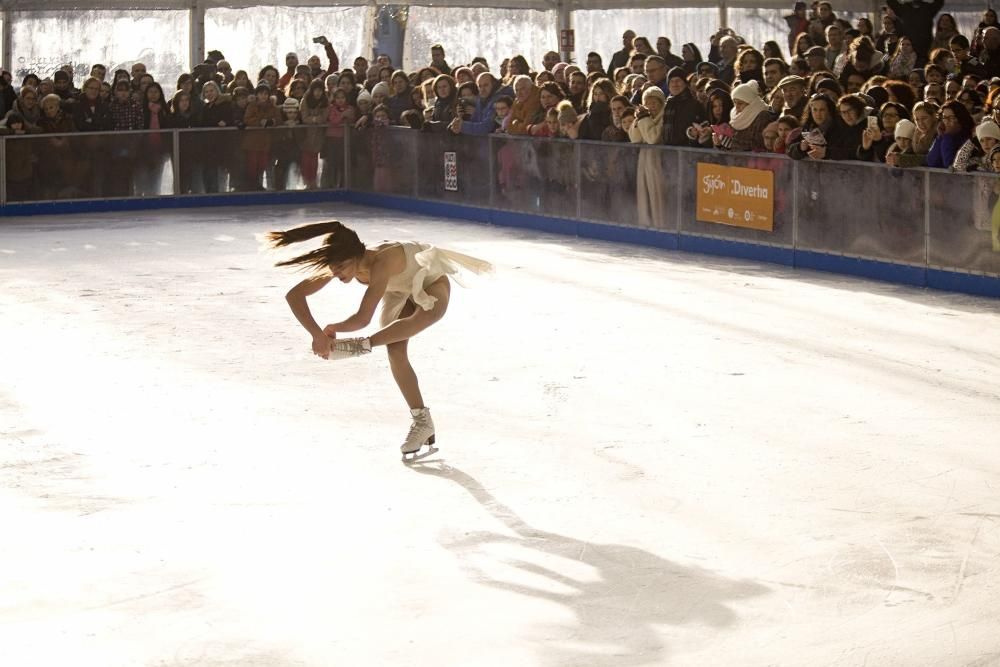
(900, 153)
(502, 108)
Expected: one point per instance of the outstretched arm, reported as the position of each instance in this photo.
(296, 299)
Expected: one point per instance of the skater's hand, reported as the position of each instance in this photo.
(321, 345)
(330, 331)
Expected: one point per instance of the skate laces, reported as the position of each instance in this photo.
(353, 346)
(420, 422)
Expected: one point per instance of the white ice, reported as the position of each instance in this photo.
(647, 458)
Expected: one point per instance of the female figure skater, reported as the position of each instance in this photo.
(409, 279)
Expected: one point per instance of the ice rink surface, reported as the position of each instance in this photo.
(647, 458)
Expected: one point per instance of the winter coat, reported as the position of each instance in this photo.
(484, 117)
(944, 149)
(337, 118)
(316, 119)
(183, 121)
(30, 119)
(877, 151)
(905, 159)
(21, 157)
(597, 120)
(612, 133)
(7, 99)
(398, 104)
(96, 118)
(970, 157)
(260, 115)
(841, 143)
(127, 115)
(752, 138)
(678, 115)
(220, 111)
(526, 113)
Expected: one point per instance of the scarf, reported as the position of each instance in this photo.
(747, 92)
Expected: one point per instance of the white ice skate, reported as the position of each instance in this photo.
(421, 434)
(349, 347)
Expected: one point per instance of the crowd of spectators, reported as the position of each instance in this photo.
(914, 93)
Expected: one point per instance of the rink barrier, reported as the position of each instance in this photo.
(832, 217)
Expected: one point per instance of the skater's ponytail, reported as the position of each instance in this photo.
(341, 243)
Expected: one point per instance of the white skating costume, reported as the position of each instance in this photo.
(425, 264)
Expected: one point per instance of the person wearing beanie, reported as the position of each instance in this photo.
(972, 156)
(707, 69)
(380, 93)
(751, 115)
(290, 107)
(648, 129)
(830, 88)
(682, 109)
(364, 102)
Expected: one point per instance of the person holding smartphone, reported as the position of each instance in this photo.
(880, 132)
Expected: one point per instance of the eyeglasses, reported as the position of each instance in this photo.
(951, 118)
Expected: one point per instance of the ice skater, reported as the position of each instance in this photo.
(409, 279)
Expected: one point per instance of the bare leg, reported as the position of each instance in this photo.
(404, 375)
(402, 371)
(419, 319)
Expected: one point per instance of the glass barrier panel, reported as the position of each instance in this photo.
(383, 159)
(60, 167)
(965, 222)
(251, 160)
(870, 211)
(536, 175)
(737, 189)
(608, 184)
(454, 168)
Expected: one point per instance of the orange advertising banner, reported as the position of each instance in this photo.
(736, 196)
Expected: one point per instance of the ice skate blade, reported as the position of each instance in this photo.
(419, 455)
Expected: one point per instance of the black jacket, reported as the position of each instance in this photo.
(680, 111)
(92, 119)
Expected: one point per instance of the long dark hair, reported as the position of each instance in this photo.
(965, 120)
(341, 244)
(310, 101)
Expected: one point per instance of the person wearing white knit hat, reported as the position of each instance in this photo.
(972, 154)
(988, 133)
(901, 154)
(905, 129)
(750, 116)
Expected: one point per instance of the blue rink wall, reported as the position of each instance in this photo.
(906, 274)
